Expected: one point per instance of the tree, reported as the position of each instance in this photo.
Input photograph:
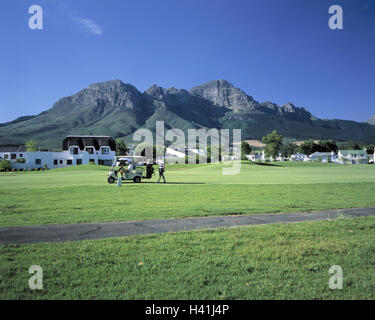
(214, 150)
(273, 141)
(327, 146)
(307, 147)
(351, 145)
(245, 149)
(370, 148)
(287, 149)
(5, 165)
(121, 148)
(31, 145)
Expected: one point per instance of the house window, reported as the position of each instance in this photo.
(105, 162)
(61, 162)
(105, 150)
(73, 150)
(69, 162)
(38, 162)
(90, 150)
(6, 156)
(21, 155)
(92, 160)
(55, 162)
(79, 161)
(13, 156)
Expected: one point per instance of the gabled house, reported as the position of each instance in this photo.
(12, 152)
(77, 150)
(97, 149)
(324, 156)
(353, 156)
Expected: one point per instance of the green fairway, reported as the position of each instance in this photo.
(82, 194)
(283, 261)
(251, 174)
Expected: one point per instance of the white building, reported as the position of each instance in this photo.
(324, 157)
(77, 150)
(12, 152)
(299, 157)
(175, 153)
(254, 157)
(353, 156)
(280, 158)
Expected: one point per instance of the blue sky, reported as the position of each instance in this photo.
(277, 50)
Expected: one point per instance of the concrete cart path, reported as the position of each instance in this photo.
(85, 231)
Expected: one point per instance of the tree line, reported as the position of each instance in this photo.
(275, 145)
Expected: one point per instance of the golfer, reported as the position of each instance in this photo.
(121, 170)
(161, 170)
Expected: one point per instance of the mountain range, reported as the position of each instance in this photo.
(118, 109)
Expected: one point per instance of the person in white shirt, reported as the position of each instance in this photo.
(161, 170)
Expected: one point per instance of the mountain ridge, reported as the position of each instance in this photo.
(118, 109)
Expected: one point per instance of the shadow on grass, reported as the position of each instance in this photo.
(153, 182)
(262, 164)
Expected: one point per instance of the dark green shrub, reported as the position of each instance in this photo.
(5, 165)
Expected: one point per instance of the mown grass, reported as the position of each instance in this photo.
(283, 261)
(81, 194)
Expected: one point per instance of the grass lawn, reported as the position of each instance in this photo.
(82, 194)
(283, 261)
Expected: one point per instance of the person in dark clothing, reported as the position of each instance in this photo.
(161, 170)
(121, 171)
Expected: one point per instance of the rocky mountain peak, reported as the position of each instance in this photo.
(223, 93)
(107, 85)
(270, 105)
(156, 92)
(163, 94)
(289, 107)
(113, 92)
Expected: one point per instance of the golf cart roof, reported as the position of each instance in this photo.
(129, 157)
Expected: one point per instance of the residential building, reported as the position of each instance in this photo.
(76, 150)
(323, 156)
(12, 152)
(353, 156)
(299, 157)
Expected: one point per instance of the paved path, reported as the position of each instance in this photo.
(84, 231)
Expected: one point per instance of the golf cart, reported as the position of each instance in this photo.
(134, 168)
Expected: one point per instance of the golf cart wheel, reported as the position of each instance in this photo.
(111, 180)
(137, 179)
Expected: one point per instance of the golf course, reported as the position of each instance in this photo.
(277, 261)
